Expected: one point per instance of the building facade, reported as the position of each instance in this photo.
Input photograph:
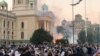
(79, 24)
(7, 23)
(24, 19)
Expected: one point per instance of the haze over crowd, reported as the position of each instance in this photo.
(62, 8)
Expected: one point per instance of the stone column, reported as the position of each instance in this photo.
(49, 26)
(45, 25)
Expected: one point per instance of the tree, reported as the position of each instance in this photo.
(40, 36)
(82, 37)
(90, 36)
(97, 38)
(97, 35)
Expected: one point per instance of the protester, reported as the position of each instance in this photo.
(49, 50)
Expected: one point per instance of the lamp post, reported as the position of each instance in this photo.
(73, 19)
(99, 28)
(85, 13)
(7, 37)
(73, 25)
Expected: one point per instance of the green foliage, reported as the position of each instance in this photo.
(97, 35)
(40, 36)
(82, 37)
(97, 40)
(90, 37)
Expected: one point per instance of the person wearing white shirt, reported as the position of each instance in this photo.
(17, 53)
(63, 53)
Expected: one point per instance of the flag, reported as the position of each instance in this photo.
(76, 3)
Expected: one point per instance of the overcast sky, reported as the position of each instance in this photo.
(62, 8)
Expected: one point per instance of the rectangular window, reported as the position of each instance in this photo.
(12, 25)
(22, 35)
(19, 1)
(13, 1)
(22, 25)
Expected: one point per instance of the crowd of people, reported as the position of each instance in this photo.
(49, 50)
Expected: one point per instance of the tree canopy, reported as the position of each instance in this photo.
(40, 36)
(97, 35)
(90, 36)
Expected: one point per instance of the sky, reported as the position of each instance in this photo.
(63, 10)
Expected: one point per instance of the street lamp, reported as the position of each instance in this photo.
(73, 19)
(85, 13)
(7, 37)
(74, 4)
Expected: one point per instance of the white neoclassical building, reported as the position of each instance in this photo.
(7, 23)
(20, 23)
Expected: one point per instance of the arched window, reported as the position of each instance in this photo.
(4, 34)
(22, 25)
(12, 25)
(2, 7)
(12, 35)
(4, 23)
(31, 5)
(8, 35)
(22, 35)
(8, 24)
